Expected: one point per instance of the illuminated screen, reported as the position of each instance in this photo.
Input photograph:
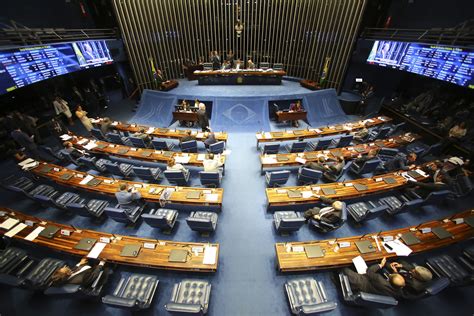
(27, 65)
(451, 64)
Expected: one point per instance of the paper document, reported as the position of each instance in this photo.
(30, 165)
(181, 159)
(96, 250)
(268, 135)
(212, 197)
(9, 223)
(26, 161)
(200, 135)
(201, 157)
(18, 228)
(90, 145)
(360, 265)
(300, 160)
(297, 248)
(150, 130)
(210, 254)
(397, 247)
(306, 194)
(65, 137)
(268, 160)
(86, 180)
(32, 236)
(83, 141)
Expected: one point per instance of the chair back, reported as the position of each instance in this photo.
(217, 148)
(437, 197)
(307, 175)
(345, 141)
(278, 177)
(155, 220)
(175, 177)
(433, 150)
(114, 138)
(79, 209)
(271, 149)
(291, 224)
(189, 146)
(159, 144)
(383, 132)
(322, 144)
(112, 167)
(369, 166)
(137, 141)
(200, 224)
(298, 147)
(143, 172)
(87, 161)
(67, 155)
(209, 178)
(117, 214)
(387, 153)
(97, 133)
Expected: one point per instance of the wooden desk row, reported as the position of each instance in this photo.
(156, 258)
(144, 154)
(265, 137)
(343, 190)
(160, 132)
(244, 72)
(337, 257)
(211, 198)
(290, 115)
(350, 152)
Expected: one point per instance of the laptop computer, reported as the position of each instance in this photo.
(365, 246)
(282, 158)
(328, 191)
(66, 176)
(178, 255)
(413, 174)
(122, 151)
(195, 195)
(314, 251)
(131, 250)
(94, 182)
(294, 194)
(389, 180)
(360, 187)
(49, 231)
(85, 244)
(409, 239)
(441, 233)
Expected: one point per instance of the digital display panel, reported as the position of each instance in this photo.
(27, 65)
(451, 64)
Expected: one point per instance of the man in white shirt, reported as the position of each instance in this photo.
(212, 164)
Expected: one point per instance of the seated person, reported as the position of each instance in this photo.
(172, 165)
(76, 154)
(296, 107)
(226, 65)
(141, 134)
(184, 106)
(400, 162)
(458, 131)
(238, 64)
(359, 161)
(210, 139)
(317, 165)
(374, 282)
(187, 138)
(250, 64)
(416, 277)
(127, 195)
(333, 170)
(82, 274)
(212, 163)
(106, 125)
(330, 214)
(361, 134)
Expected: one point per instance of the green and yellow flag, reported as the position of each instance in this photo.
(324, 74)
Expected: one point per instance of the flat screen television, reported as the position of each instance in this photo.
(23, 66)
(447, 63)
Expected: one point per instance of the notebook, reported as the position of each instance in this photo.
(314, 252)
(85, 244)
(94, 182)
(178, 255)
(66, 176)
(294, 194)
(49, 231)
(389, 180)
(360, 187)
(365, 246)
(46, 169)
(193, 195)
(131, 250)
(441, 233)
(282, 158)
(328, 191)
(410, 239)
(413, 174)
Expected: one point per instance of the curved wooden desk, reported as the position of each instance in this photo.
(160, 132)
(232, 72)
(210, 198)
(350, 152)
(343, 190)
(144, 154)
(265, 137)
(336, 257)
(152, 258)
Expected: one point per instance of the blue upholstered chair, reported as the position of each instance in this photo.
(403, 203)
(307, 175)
(363, 211)
(217, 148)
(386, 154)
(118, 139)
(308, 297)
(367, 167)
(93, 208)
(296, 147)
(202, 222)
(189, 146)
(93, 163)
(97, 133)
(210, 179)
(270, 149)
(159, 144)
(137, 142)
(321, 144)
(327, 227)
(287, 221)
(277, 178)
(343, 141)
(161, 218)
(190, 297)
(177, 177)
(124, 214)
(115, 168)
(147, 173)
(134, 292)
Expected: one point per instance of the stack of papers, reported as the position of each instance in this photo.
(30, 165)
(201, 157)
(32, 236)
(360, 265)
(210, 254)
(200, 135)
(150, 130)
(26, 162)
(300, 160)
(18, 228)
(90, 145)
(86, 180)
(65, 137)
(212, 197)
(397, 247)
(182, 159)
(83, 141)
(96, 250)
(269, 160)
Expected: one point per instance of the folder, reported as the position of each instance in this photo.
(163, 130)
(178, 255)
(85, 244)
(410, 239)
(328, 191)
(360, 187)
(46, 169)
(294, 194)
(441, 233)
(389, 180)
(413, 174)
(49, 231)
(195, 195)
(94, 182)
(365, 246)
(131, 250)
(66, 176)
(314, 251)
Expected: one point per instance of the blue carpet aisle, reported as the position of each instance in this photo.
(247, 281)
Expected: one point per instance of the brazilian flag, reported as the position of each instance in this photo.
(324, 74)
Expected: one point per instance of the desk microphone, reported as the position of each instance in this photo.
(364, 236)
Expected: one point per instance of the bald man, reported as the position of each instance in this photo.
(416, 277)
(331, 213)
(374, 282)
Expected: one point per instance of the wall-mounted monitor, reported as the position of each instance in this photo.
(451, 64)
(27, 65)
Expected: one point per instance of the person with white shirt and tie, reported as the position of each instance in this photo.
(213, 163)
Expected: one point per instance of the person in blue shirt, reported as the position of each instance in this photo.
(127, 195)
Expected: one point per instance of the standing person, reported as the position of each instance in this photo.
(230, 58)
(159, 79)
(82, 116)
(62, 107)
(203, 120)
(25, 141)
(216, 60)
(296, 107)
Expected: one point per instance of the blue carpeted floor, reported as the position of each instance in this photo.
(247, 281)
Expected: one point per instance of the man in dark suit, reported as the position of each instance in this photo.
(416, 277)
(187, 138)
(400, 162)
(374, 282)
(76, 154)
(27, 142)
(203, 120)
(330, 213)
(106, 125)
(83, 274)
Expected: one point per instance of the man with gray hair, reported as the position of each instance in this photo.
(330, 214)
(416, 277)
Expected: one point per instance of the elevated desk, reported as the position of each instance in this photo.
(265, 137)
(337, 257)
(350, 152)
(160, 132)
(151, 258)
(278, 197)
(239, 77)
(209, 198)
(144, 154)
(169, 85)
(290, 116)
(189, 116)
(189, 71)
(310, 84)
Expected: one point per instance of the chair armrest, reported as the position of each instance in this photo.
(10, 280)
(318, 308)
(119, 301)
(183, 308)
(376, 299)
(379, 208)
(65, 289)
(437, 286)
